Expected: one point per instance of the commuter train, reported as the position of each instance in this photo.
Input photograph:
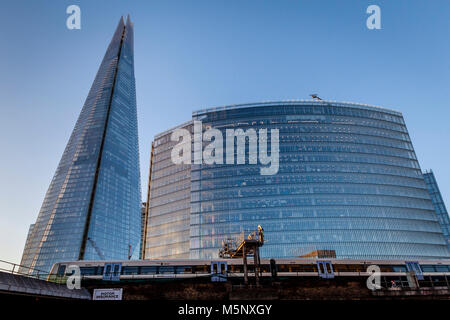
(437, 271)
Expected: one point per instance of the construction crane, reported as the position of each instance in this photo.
(96, 248)
(315, 96)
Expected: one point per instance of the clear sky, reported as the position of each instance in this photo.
(195, 54)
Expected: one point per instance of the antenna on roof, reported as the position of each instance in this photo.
(315, 96)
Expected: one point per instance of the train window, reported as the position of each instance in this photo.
(386, 268)
(236, 268)
(215, 268)
(342, 268)
(399, 268)
(310, 268)
(166, 269)
(441, 268)
(265, 268)
(149, 270)
(202, 269)
(293, 268)
(88, 271)
(349, 268)
(321, 270)
(358, 268)
(130, 270)
(116, 270)
(182, 269)
(283, 268)
(61, 270)
(302, 268)
(108, 269)
(428, 268)
(188, 269)
(223, 269)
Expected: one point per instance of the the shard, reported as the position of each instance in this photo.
(92, 209)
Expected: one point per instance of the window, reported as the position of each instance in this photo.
(166, 269)
(149, 270)
(130, 270)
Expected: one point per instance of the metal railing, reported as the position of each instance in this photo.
(18, 269)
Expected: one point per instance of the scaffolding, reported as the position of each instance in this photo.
(243, 248)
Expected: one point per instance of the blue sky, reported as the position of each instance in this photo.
(195, 54)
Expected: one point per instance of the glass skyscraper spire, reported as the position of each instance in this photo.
(92, 209)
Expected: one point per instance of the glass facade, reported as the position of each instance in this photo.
(438, 203)
(348, 181)
(92, 207)
(167, 234)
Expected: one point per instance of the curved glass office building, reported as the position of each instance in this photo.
(348, 180)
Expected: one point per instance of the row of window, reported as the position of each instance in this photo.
(313, 110)
(262, 214)
(298, 189)
(300, 168)
(297, 179)
(234, 268)
(310, 200)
